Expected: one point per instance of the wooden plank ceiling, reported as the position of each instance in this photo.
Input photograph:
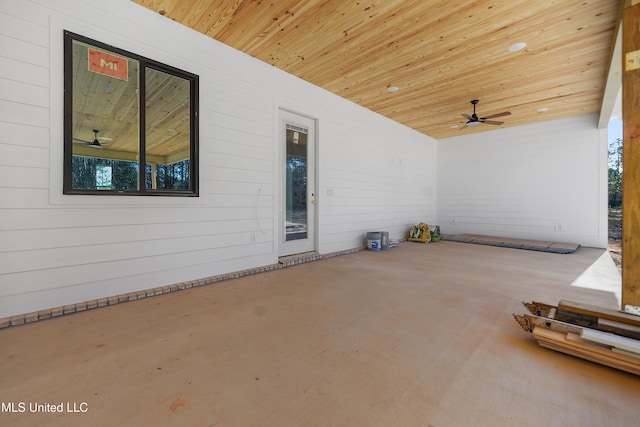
(439, 54)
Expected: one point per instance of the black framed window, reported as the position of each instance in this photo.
(131, 123)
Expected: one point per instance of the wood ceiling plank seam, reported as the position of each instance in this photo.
(410, 75)
(454, 49)
(409, 71)
(544, 75)
(251, 24)
(180, 10)
(215, 18)
(584, 98)
(446, 131)
(526, 99)
(528, 107)
(334, 41)
(292, 49)
(197, 13)
(267, 33)
(567, 45)
(538, 94)
(280, 38)
(547, 75)
(161, 6)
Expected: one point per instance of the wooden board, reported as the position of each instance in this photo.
(574, 345)
(631, 157)
(591, 320)
(592, 333)
(626, 344)
(600, 312)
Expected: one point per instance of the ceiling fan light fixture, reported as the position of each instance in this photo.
(474, 120)
(95, 143)
(392, 89)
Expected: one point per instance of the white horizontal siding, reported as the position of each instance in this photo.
(57, 249)
(23, 51)
(24, 177)
(526, 182)
(124, 275)
(135, 276)
(243, 95)
(373, 174)
(14, 153)
(17, 71)
(240, 121)
(374, 179)
(94, 253)
(22, 135)
(18, 113)
(24, 93)
(87, 216)
(92, 235)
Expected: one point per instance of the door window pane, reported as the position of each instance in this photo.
(296, 184)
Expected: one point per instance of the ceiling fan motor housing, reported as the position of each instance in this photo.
(474, 120)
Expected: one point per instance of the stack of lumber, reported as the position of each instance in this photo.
(604, 336)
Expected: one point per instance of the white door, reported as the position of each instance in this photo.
(297, 184)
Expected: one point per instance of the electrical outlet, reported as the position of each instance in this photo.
(252, 236)
(452, 220)
(561, 227)
(633, 309)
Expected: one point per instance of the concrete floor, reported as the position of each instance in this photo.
(420, 335)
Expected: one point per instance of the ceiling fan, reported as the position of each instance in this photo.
(474, 120)
(95, 143)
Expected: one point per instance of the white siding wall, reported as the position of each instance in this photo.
(389, 183)
(544, 181)
(56, 249)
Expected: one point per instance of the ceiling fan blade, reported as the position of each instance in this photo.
(95, 143)
(492, 122)
(493, 116)
(466, 116)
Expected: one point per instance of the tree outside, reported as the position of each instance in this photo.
(615, 200)
(615, 173)
(91, 173)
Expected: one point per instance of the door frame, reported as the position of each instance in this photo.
(310, 244)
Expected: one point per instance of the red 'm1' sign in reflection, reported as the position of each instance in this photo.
(108, 64)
